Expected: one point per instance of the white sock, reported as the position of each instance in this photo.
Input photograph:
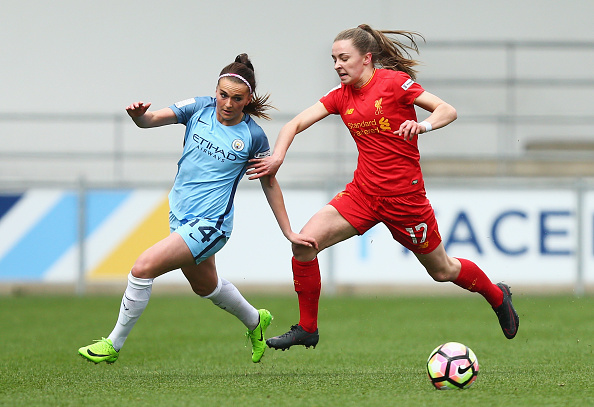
(226, 296)
(134, 302)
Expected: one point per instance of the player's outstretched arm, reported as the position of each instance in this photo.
(268, 166)
(143, 118)
(275, 199)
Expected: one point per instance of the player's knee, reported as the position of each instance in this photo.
(303, 253)
(142, 268)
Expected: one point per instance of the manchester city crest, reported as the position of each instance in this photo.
(238, 145)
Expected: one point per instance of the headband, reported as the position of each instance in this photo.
(239, 77)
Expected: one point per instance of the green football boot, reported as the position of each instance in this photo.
(257, 335)
(101, 351)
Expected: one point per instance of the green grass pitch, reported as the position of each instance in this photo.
(184, 351)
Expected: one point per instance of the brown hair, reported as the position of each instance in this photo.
(244, 68)
(387, 53)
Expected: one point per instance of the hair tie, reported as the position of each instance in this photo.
(240, 77)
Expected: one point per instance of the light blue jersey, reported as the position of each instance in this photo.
(214, 159)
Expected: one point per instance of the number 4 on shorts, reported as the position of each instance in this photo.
(207, 232)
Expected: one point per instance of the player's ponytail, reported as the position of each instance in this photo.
(244, 59)
(242, 71)
(387, 52)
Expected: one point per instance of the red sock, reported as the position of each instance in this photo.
(472, 278)
(308, 284)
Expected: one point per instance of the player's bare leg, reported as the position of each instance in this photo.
(328, 227)
(466, 274)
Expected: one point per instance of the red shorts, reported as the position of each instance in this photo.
(410, 218)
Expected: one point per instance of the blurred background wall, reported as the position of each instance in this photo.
(518, 72)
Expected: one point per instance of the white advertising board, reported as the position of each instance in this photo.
(521, 236)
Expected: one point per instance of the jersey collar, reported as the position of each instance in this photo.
(366, 83)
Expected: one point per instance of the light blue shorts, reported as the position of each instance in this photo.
(201, 235)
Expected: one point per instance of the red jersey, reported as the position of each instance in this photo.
(387, 164)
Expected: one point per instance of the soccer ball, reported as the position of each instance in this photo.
(452, 365)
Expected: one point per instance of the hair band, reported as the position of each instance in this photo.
(239, 77)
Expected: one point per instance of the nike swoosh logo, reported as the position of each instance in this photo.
(261, 336)
(190, 234)
(462, 370)
(124, 302)
(91, 353)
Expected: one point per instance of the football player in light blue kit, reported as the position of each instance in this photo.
(220, 138)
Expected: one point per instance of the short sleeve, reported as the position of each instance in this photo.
(329, 100)
(409, 89)
(186, 108)
(260, 145)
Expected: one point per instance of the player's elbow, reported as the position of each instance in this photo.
(290, 128)
(452, 113)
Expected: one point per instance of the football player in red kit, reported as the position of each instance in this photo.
(376, 100)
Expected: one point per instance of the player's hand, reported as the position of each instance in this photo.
(409, 129)
(260, 167)
(137, 109)
(303, 240)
